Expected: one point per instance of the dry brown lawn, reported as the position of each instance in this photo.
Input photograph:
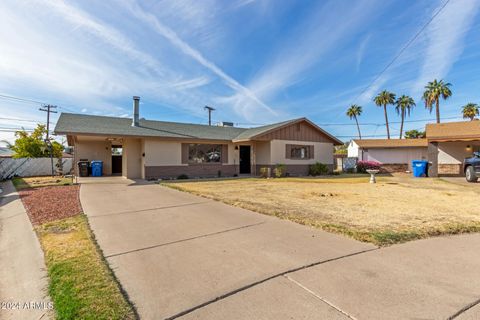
(396, 209)
(35, 182)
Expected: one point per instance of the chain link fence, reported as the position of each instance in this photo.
(30, 167)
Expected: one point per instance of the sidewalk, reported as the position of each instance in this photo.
(23, 279)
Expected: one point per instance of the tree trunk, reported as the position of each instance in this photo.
(386, 120)
(437, 104)
(358, 128)
(401, 125)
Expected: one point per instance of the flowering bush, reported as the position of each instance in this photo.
(363, 166)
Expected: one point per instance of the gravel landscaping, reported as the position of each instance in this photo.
(81, 284)
(51, 203)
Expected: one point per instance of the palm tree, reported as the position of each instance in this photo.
(404, 105)
(385, 98)
(470, 110)
(433, 91)
(354, 112)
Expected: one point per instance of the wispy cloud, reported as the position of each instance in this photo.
(361, 51)
(308, 45)
(188, 50)
(445, 40)
(110, 35)
(191, 83)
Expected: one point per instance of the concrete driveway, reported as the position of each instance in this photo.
(186, 257)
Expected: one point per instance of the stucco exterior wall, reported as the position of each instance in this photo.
(169, 152)
(163, 153)
(263, 152)
(163, 159)
(395, 155)
(352, 150)
(132, 158)
(323, 152)
(95, 150)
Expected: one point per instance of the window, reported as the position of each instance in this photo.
(204, 153)
(117, 150)
(299, 152)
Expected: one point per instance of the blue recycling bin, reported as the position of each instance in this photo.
(97, 167)
(419, 168)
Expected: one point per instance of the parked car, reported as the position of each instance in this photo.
(471, 167)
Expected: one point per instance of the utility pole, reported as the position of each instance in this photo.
(210, 109)
(49, 110)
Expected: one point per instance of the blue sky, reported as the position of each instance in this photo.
(255, 61)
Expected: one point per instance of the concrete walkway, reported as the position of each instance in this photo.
(23, 279)
(186, 257)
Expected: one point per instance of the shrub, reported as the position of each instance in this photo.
(318, 169)
(363, 166)
(264, 172)
(183, 176)
(279, 170)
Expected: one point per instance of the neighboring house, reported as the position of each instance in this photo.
(445, 147)
(6, 152)
(449, 143)
(157, 149)
(396, 155)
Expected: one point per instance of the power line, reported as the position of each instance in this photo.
(9, 97)
(16, 119)
(401, 51)
(4, 96)
(14, 130)
(382, 124)
(363, 136)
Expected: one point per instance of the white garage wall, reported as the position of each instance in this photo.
(395, 156)
(352, 150)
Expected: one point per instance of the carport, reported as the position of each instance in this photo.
(449, 144)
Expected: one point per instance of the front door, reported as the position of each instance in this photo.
(117, 160)
(245, 159)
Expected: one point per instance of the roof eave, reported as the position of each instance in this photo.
(71, 133)
(453, 139)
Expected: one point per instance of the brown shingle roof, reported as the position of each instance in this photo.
(391, 143)
(463, 130)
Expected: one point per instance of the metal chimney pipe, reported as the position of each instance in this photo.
(136, 107)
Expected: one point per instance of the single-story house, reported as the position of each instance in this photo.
(396, 155)
(445, 147)
(449, 144)
(139, 148)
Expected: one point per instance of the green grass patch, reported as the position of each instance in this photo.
(81, 284)
(35, 182)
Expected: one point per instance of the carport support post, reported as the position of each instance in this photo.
(432, 159)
